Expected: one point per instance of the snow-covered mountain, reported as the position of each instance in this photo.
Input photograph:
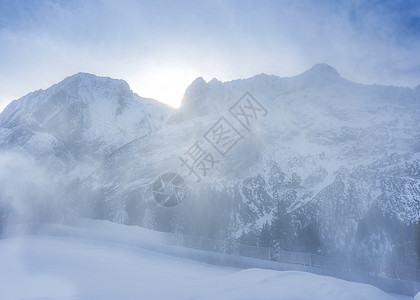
(313, 162)
(82, 118)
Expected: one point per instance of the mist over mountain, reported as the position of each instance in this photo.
(312, 163)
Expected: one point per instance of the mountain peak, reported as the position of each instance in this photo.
(198, 81)
(81, 77)
(88, 81)
(322, 71)
(194, 89)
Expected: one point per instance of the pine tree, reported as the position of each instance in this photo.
(417, 240)
(265, 239)
(250, 236)
(281, 228)
(275, 180)
(119, 214)
(309, 237)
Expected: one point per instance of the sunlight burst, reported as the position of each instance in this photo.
(165, 84)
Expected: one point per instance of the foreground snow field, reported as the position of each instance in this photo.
(69, 268)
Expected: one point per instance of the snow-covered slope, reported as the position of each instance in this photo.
(45, 267)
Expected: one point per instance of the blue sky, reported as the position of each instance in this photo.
(160, 47)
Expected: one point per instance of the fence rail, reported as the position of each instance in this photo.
(300, 258)
(404, 281)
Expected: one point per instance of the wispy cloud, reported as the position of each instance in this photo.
(159, 47)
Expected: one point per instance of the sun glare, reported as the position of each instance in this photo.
(166, 85)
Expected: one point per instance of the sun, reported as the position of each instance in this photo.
(165, 84)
